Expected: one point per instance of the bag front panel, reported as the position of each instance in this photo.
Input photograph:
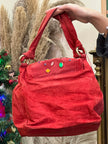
(62, 99)
(53, 67)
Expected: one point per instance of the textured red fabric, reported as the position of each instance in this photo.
(60, 96)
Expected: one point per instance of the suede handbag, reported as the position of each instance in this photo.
(59, 96)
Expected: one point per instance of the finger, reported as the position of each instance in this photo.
(57, 12)
(64, 8)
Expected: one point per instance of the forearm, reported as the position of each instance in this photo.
(99, 21)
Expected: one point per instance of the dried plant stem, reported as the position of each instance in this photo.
(40, 13)
(19, 30)
(31, 7)
(5, 30)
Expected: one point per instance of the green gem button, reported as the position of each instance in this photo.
(60, 64)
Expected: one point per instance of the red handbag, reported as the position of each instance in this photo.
(59, 96)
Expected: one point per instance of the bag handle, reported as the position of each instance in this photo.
(68, 30)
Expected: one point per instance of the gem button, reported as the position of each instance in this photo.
(60, 64)
(52, 63)
(48, 70)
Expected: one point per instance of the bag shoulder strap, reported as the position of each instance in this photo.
(68, 30)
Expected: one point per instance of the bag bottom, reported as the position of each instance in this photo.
(69, 131)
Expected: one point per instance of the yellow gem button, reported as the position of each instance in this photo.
(48, 70)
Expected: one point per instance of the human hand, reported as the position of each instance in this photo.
(75, 12)
(84, 15)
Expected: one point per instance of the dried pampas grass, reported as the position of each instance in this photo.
(31, 7)
(19, 30)
(43, 45)
(19, 3)
(5, 30)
